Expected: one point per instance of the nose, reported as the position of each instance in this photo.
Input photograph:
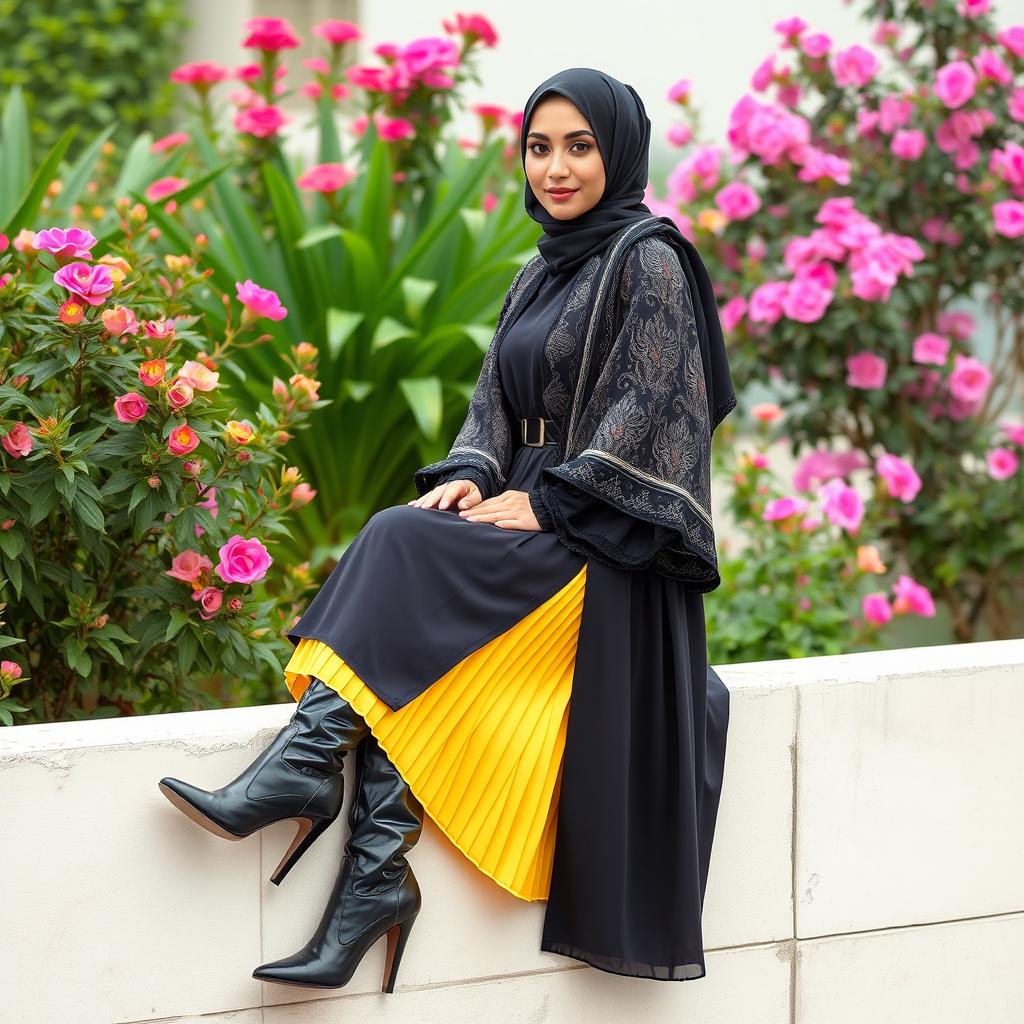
(555, 170)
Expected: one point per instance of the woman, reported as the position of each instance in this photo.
(450, 636)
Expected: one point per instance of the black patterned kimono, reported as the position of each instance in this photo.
(609, 356)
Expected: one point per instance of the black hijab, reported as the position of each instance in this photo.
(623, 131)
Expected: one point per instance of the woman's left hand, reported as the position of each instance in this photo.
(511, 510)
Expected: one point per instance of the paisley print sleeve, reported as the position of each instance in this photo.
(643, 444)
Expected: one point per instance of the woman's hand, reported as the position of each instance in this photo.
(464, 491)
(511, 510)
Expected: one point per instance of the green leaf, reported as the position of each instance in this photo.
(11, 543)
(388, 331)
(140, 492)
(178, 621)
(318, 234)
(416, 292)
(27, 209)
(186, 651)
(42, 504)
(341, 324)
(357, 390)
(424, 398)
(89, 513)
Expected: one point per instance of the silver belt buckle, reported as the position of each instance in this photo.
(533, 444)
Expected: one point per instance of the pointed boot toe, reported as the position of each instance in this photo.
(375, 892)
(292, 970)
(299, 776)
(197, 804)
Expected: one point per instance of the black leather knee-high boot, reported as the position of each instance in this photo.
(375, 892)
(298, 776)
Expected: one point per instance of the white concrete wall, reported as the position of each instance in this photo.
(866, 868)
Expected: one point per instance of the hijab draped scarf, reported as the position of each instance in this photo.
(622, 128)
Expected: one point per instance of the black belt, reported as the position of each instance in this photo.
(543, 431)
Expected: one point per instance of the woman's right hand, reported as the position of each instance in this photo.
(465, 492)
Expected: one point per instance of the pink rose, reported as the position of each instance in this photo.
(17, 441)
(806, 300)
(816, 45)
(66, 244)
(391, 129)
(182, 440)
(302, 494)
(909, 144)
(325, 178)
(473, 26)
(955, 83)
(1002, 463)
(209, 599)
(199, 73)
(990, 65)
(737, 200)
(733, 311)
(337, 32)
(865, 370)
(243, 560)
(900, 477)
(679, 134)
(854, 66)
(766, 302)
(894, 112)
(119, 320)
(819, 466)
(1013, 39)
(188, 566)
(198, 376)
(159, 329)
(876, 608)
(130, 407)
(1015, 432)
(972, 8)
(1008, 216)
(931, 348)
(261, 121)
(790, 28)
(180, 395)
(270, 34)
(842, 505)
(166, 142)
(912, 597)
(970, 379)
(90, 284)
(783, 508)
(259, 301)
(164, 187)
(766, 412)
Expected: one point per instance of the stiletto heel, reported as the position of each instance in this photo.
(397, 938)
(306, 835)
(299, 776)
(375, 892)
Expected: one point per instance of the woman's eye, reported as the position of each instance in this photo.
(533, 146)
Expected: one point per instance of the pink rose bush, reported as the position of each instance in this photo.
(142, 492)
(814, 567)
(842, 289)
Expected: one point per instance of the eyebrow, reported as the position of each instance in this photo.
(568, 135)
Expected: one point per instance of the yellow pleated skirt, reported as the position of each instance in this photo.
(481, 748)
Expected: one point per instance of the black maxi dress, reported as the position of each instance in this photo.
(644, 746)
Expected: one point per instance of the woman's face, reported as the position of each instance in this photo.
(561, 153)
